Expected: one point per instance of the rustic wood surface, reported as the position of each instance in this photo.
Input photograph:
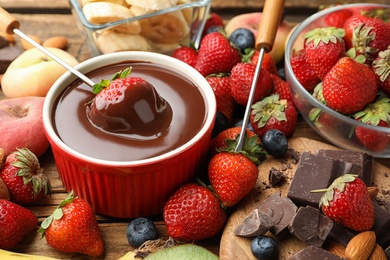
(47, 18)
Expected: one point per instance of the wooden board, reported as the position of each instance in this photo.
(235, 247)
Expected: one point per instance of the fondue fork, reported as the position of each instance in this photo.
(270, 20)
(10, 25)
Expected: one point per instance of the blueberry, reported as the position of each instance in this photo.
(221, 123)
(243, 39)
(140, 230)
(264, 247)
(215, 28)
(275, 143)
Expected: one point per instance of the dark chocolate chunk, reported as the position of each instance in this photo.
(387, 252)
(362, 160)
(314, 252)
(255, 224)
(281, 210)
(341, 234)
(310, 226)
(275, 176)
(381, 225)
(7, 55)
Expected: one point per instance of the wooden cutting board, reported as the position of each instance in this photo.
(234, 247)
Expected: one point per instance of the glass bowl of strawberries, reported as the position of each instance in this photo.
(138, 25)
(337, 64)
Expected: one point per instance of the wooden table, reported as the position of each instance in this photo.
(46, 18)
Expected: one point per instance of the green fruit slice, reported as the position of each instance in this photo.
(185, 251)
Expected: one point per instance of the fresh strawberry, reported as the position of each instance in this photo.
(233, 174)
(193, 213)
(368, 32)
(349, 86)
(337, 18)
(281, 87)
(24, 178)
(347, 202)
(274, 113)
(216, 54)
(323, 48)
(268, 62)
(187, 54)
(376, 113)
(15, 223)
(219, 142)
(303, 70)
(241, 82)
(73, 228)
(381, 67)
(220, 83)
(213, 20)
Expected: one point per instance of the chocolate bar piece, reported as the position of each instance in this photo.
(362, 160)
(314, 252)
(255, 224)
(281, 210)
(313, 172)
(341, 234)
(7, 55)
(310, 226)
(381, 225)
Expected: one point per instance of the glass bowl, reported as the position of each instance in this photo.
(112, 27)
(335, 127)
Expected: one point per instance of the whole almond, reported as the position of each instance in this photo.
(361, 246)
(26, 45)
(335, 248)
(373, 191)
(60, 42)
(378, 253)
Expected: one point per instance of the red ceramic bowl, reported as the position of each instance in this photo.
(129, 189)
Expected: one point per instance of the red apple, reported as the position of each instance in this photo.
(21, 125)
(251, 21)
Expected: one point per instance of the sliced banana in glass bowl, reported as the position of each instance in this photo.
(141, 25)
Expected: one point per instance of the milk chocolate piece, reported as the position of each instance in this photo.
(255, 224)
(310, 226)
(363, 161)
(314, 252)
(7, 55)
(281, 210)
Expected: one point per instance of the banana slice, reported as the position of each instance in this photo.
(166, 28)
(105, 12)
(154, 5)
(187, 12)
(111, 41)
(118, 2)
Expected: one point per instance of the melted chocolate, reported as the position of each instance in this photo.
(75, 130)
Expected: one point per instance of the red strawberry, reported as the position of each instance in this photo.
(24, 178)
(303, 70)
(73, 228)
(376, 113)
(216, 54)
(213, 19)
(274, 113)
(349, 86)
(15, 223)
(381, 67)
(338, 18)
(368, 32)
(187, 54)
(348, 203)
(220, 83)
(323, 48)
(268, 62)
(281, 88)
(219, 142)
(241, 81)
(193, 213)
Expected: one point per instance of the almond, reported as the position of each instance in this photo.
(59, 42)
(26, 45)
(378, 253)
(361, 246)
(335, 248)
(373, 191)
